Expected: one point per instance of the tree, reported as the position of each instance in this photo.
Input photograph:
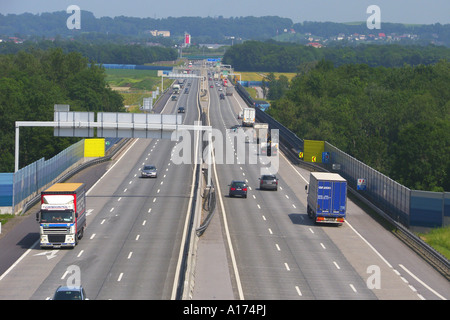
(31, 83)
(421, 160)
(396, 120)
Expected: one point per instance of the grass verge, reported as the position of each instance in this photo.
(439, 239)
(4, 218)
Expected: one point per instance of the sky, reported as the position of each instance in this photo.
(399, 11)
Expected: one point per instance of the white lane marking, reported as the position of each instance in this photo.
(422, 283)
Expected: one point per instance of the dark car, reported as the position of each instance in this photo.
(148, 171)
(70, 293)
(222, 96)
(238, 188)
(268, 181)
(181, 110)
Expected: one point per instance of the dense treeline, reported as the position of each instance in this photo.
(271, 56)
(102, 52)
(203, 29)
(208, 29)
(31, 83)
(329, 29)
(396, 120)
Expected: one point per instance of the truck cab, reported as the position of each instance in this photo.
(62, 216)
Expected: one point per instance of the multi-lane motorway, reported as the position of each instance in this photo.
(136, 227)
(131, 247)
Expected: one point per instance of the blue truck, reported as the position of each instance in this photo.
(327, 197)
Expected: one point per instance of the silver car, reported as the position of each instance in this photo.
(148, 171)
(268, 181)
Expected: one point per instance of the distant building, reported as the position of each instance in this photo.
(157, 33)
(187, 39)
(213, 46)
(15, 40)
(315, 45)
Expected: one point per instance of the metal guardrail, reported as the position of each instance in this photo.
(210, 204)
(291, 144)
(72, 172)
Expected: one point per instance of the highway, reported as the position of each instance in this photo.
(278, 251)
(132, 245)
(281, 254)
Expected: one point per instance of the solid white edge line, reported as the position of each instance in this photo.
(112, 166)
(186, 222)
(227, 231)
(370, 246)
(37, 241)
(421, 282)
(18, 260)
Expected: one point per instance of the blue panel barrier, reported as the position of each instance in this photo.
(6, 189)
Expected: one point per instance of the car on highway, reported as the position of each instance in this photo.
(238, 188)
(70, 293)
(235, 128)
(211, 86)
(268, 182)
(181, 109)
(148, 171)
(222, 96)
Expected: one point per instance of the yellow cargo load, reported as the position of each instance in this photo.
(64, 187)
